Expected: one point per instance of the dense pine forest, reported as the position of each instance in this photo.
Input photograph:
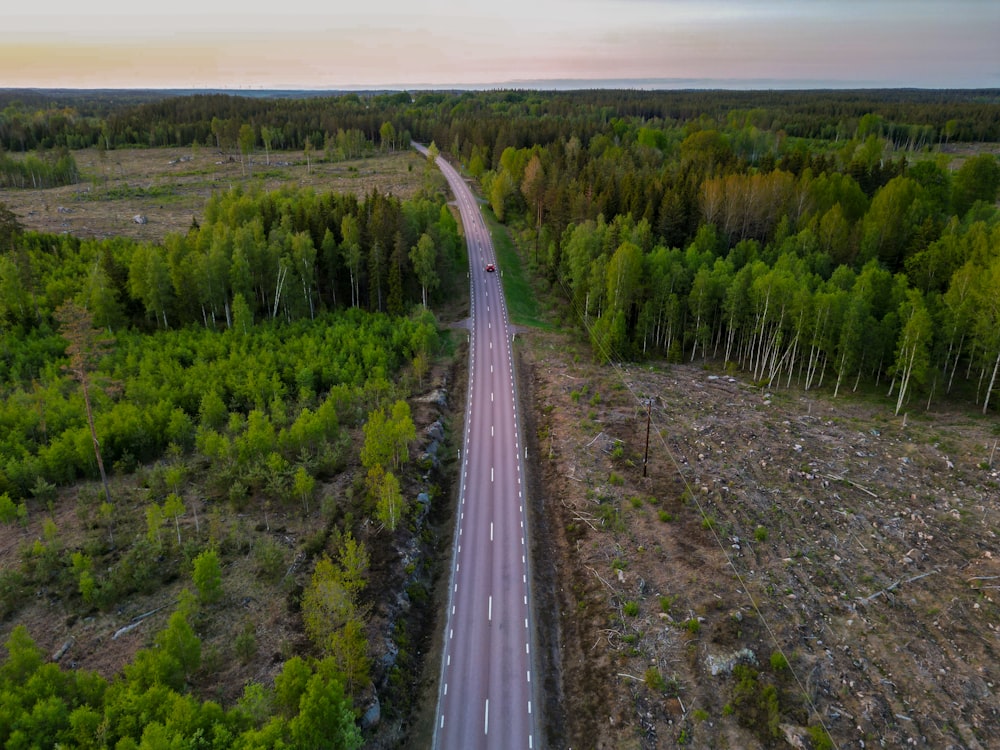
(840, 240)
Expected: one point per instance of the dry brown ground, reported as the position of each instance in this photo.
(860, 545)
(169, 186)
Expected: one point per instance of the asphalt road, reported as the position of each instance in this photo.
(486, 690)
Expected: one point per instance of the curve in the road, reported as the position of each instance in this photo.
(486, 691)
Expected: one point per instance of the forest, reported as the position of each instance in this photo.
(822, 240)
(232, 369)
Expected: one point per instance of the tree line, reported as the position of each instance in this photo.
(254, 256)
(812, 262)
(492, 120)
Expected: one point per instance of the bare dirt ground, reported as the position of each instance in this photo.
(169, 187)
(848, 557)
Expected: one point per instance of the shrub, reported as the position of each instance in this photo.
(207, 575)
(820, 738)
(654, 680)
(778, 661)
(11, 511)
(631, 609)
(756, 703)
(246, 642)
(270, 559)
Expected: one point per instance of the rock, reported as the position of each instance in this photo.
(796, 736)
(435, 431)
(372, 715)
(423, 507)
(723, 663)
(139, 219)
(390, 655)
(430, 457)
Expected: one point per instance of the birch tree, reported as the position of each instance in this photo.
(912, 355)
(84, 347)
(351, 250)
(423, 255)
(988, 328)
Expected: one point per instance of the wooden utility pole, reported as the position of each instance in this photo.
(645, 456)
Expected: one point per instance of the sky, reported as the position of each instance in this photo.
(413, 44)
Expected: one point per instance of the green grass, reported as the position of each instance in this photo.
(522, 305)
(122, 192)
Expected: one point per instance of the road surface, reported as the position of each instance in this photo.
(486, 690)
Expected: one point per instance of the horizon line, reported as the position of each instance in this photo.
(547, 84)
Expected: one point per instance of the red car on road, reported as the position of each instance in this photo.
(490, 267)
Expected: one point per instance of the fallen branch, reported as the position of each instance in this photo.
(892, 587)
(852, 483)
(63, 649)
(295, 564)
(631, 677)
(586, 521)
(610, 587)
(135, 622)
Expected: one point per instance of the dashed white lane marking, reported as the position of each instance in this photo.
(491, 531)
(489, 614)
(486, 725)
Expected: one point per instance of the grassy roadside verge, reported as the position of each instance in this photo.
(522, 304)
